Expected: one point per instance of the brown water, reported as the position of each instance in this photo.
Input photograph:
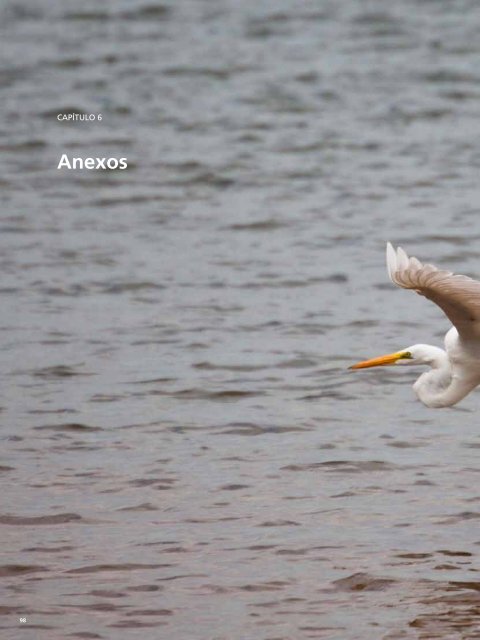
(184, 454)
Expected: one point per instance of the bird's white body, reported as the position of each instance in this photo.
(452, 376)
(455, 371)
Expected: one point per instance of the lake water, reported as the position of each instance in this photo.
(184, 452)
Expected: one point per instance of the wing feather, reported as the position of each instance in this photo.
(458, 296)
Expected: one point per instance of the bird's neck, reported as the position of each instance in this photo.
(442, 386)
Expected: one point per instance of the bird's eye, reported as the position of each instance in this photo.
(406, 355)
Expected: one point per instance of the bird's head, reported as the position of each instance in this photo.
(416, 354)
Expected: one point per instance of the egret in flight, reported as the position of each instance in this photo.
(455, 371)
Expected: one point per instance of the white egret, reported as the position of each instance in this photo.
(455, 371)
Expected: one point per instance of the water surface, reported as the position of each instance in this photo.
(184, 453)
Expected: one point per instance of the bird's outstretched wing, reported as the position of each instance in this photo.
(458, 296)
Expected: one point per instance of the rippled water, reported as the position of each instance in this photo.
(184, 454)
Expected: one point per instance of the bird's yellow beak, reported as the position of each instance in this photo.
(390, 358)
